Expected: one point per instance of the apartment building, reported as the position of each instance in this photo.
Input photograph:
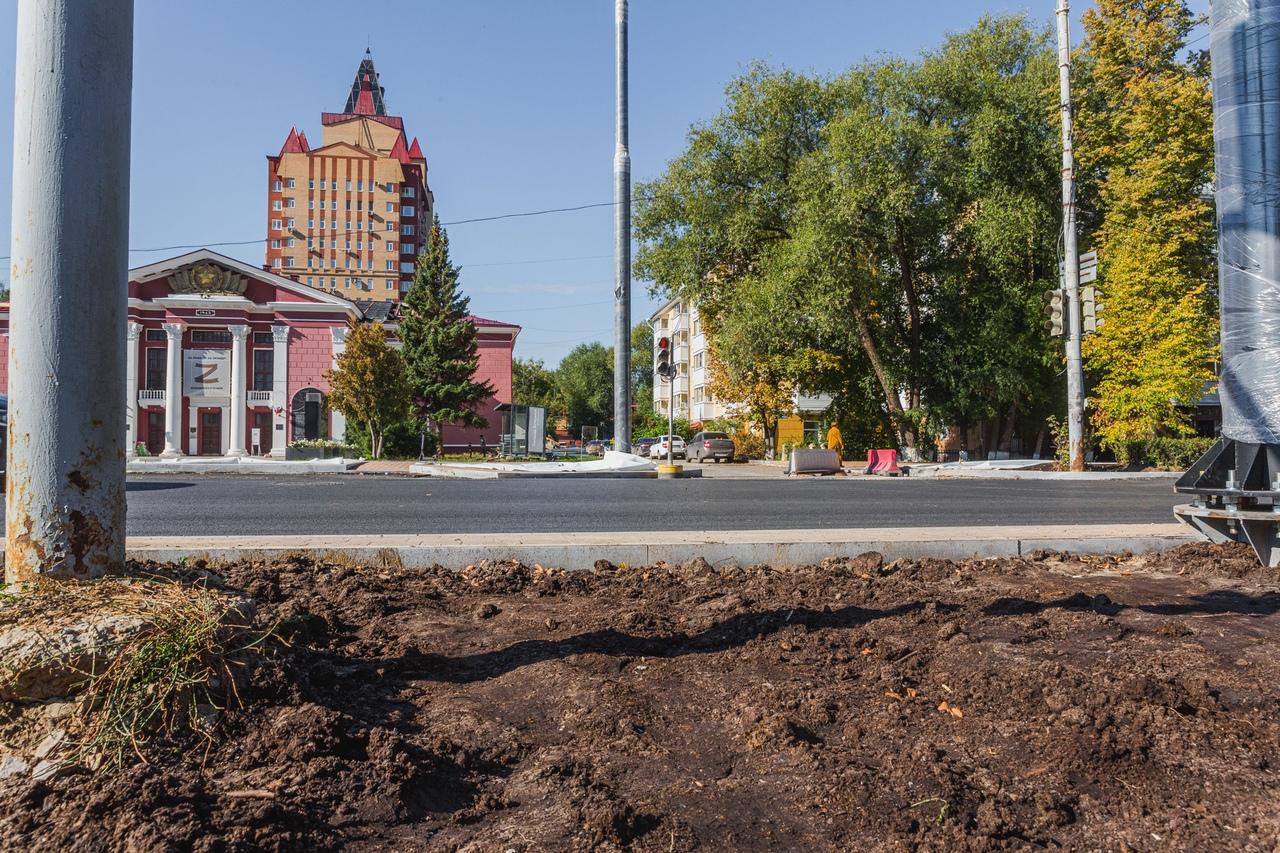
(349, 216)
(689, 387)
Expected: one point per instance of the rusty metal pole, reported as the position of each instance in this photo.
(65, 502)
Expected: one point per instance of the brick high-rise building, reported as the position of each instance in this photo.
(350, 216)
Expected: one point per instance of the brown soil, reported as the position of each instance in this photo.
(1050, 702)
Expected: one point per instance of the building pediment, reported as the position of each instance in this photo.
(207, 279)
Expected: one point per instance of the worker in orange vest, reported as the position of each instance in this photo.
(835, 441)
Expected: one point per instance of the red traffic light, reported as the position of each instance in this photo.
(664, 343)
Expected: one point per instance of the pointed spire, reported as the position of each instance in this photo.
(302, 135)
(399, 152)
(366, 95)
(294, 143)
(415, 150)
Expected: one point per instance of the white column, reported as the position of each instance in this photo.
(69, 241)
(173, 391)
(193, 429)
(239, 393)
(280, 391)
(131, 390)
(339, 420)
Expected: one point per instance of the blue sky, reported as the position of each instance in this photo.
(512, 101)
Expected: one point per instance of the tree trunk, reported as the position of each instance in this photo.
(913, 314)
(905, 433)
(1006, 441)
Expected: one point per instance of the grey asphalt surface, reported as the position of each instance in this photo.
(213, 505)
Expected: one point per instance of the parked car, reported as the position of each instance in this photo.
(659, 448)
(594, 448)
(716, 446)
(642, 446)
(4, 434)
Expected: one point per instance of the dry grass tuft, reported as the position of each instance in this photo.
(173, 671)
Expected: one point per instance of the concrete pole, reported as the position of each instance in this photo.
(239, 392)
(70, 261)
(1075, 369)
(621, 247)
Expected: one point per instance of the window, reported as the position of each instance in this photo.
(333, 263)
(311, 183)
(346, 282)
(348, 186)
(359, 186)
(290, 221)
(406, 210)
(311, 223)
(275, 244)
(697, 362)
(391, 187)
(310, 262)
(408, 191)
(406, 267)
(156, 366)
(275, 225)
(310, 283)
(405, 230)
(359, 204)
(360, 244)
(813, 432)
(390, 247)
(210, 336)
(370, 224)
(407, 248)
(275, 186)
(292, 184)
(290, 203)
(391, 207)
(263, 367)
(275, 205)
(346, 244)
(311, 204)
(310, 242)
(391, 265)
(348, 204)
(322, 183)
(333, 242)
(275, 262)
(334, 225)
(347, 263)
(290, 242)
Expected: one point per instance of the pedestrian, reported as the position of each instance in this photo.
(835, 441)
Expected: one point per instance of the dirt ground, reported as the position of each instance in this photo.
(1055, 702)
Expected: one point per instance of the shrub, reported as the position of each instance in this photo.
(748, 445)
(399, 441)
(1175, 452)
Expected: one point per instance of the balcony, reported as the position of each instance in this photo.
(147, 397)
(260, 397)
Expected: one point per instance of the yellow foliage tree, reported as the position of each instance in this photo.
(369, 384)
(1145, 145)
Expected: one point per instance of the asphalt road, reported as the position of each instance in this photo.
(211, 505)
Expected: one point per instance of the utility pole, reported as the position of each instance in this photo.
(621, 247)
(1075, 370)
(66, 499)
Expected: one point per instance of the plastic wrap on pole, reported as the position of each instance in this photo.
(1245, 50)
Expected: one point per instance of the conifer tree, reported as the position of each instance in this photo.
(1145, 146)
(439, 341)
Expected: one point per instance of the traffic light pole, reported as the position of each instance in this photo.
(1071, 266)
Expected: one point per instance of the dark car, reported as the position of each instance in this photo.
(640, 447)
(710, 445)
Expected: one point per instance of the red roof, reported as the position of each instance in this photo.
(481, 321)
(399, 152)
(415, 150)
(327, 119)
(295, 143)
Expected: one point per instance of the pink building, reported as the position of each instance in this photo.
(244, 352)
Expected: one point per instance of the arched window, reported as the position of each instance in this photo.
(308, 415)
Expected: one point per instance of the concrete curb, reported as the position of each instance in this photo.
(582, 550)
(245, 466)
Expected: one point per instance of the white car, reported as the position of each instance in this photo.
(659, 448)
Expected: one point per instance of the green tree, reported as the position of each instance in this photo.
(532, 384)
(642, 367)
(1145, 149)
(584, 383)
(440, 349)
(369, 384)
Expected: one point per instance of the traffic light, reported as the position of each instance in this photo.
(1053, 302)
(1090, 308)
(664, 357)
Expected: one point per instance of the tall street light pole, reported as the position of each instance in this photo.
(1071, 266)
(621, 246)
(65, 507)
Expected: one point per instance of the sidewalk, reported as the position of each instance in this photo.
(237, 465)
(744, 547)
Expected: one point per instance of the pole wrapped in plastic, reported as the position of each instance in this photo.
(1245, 50)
